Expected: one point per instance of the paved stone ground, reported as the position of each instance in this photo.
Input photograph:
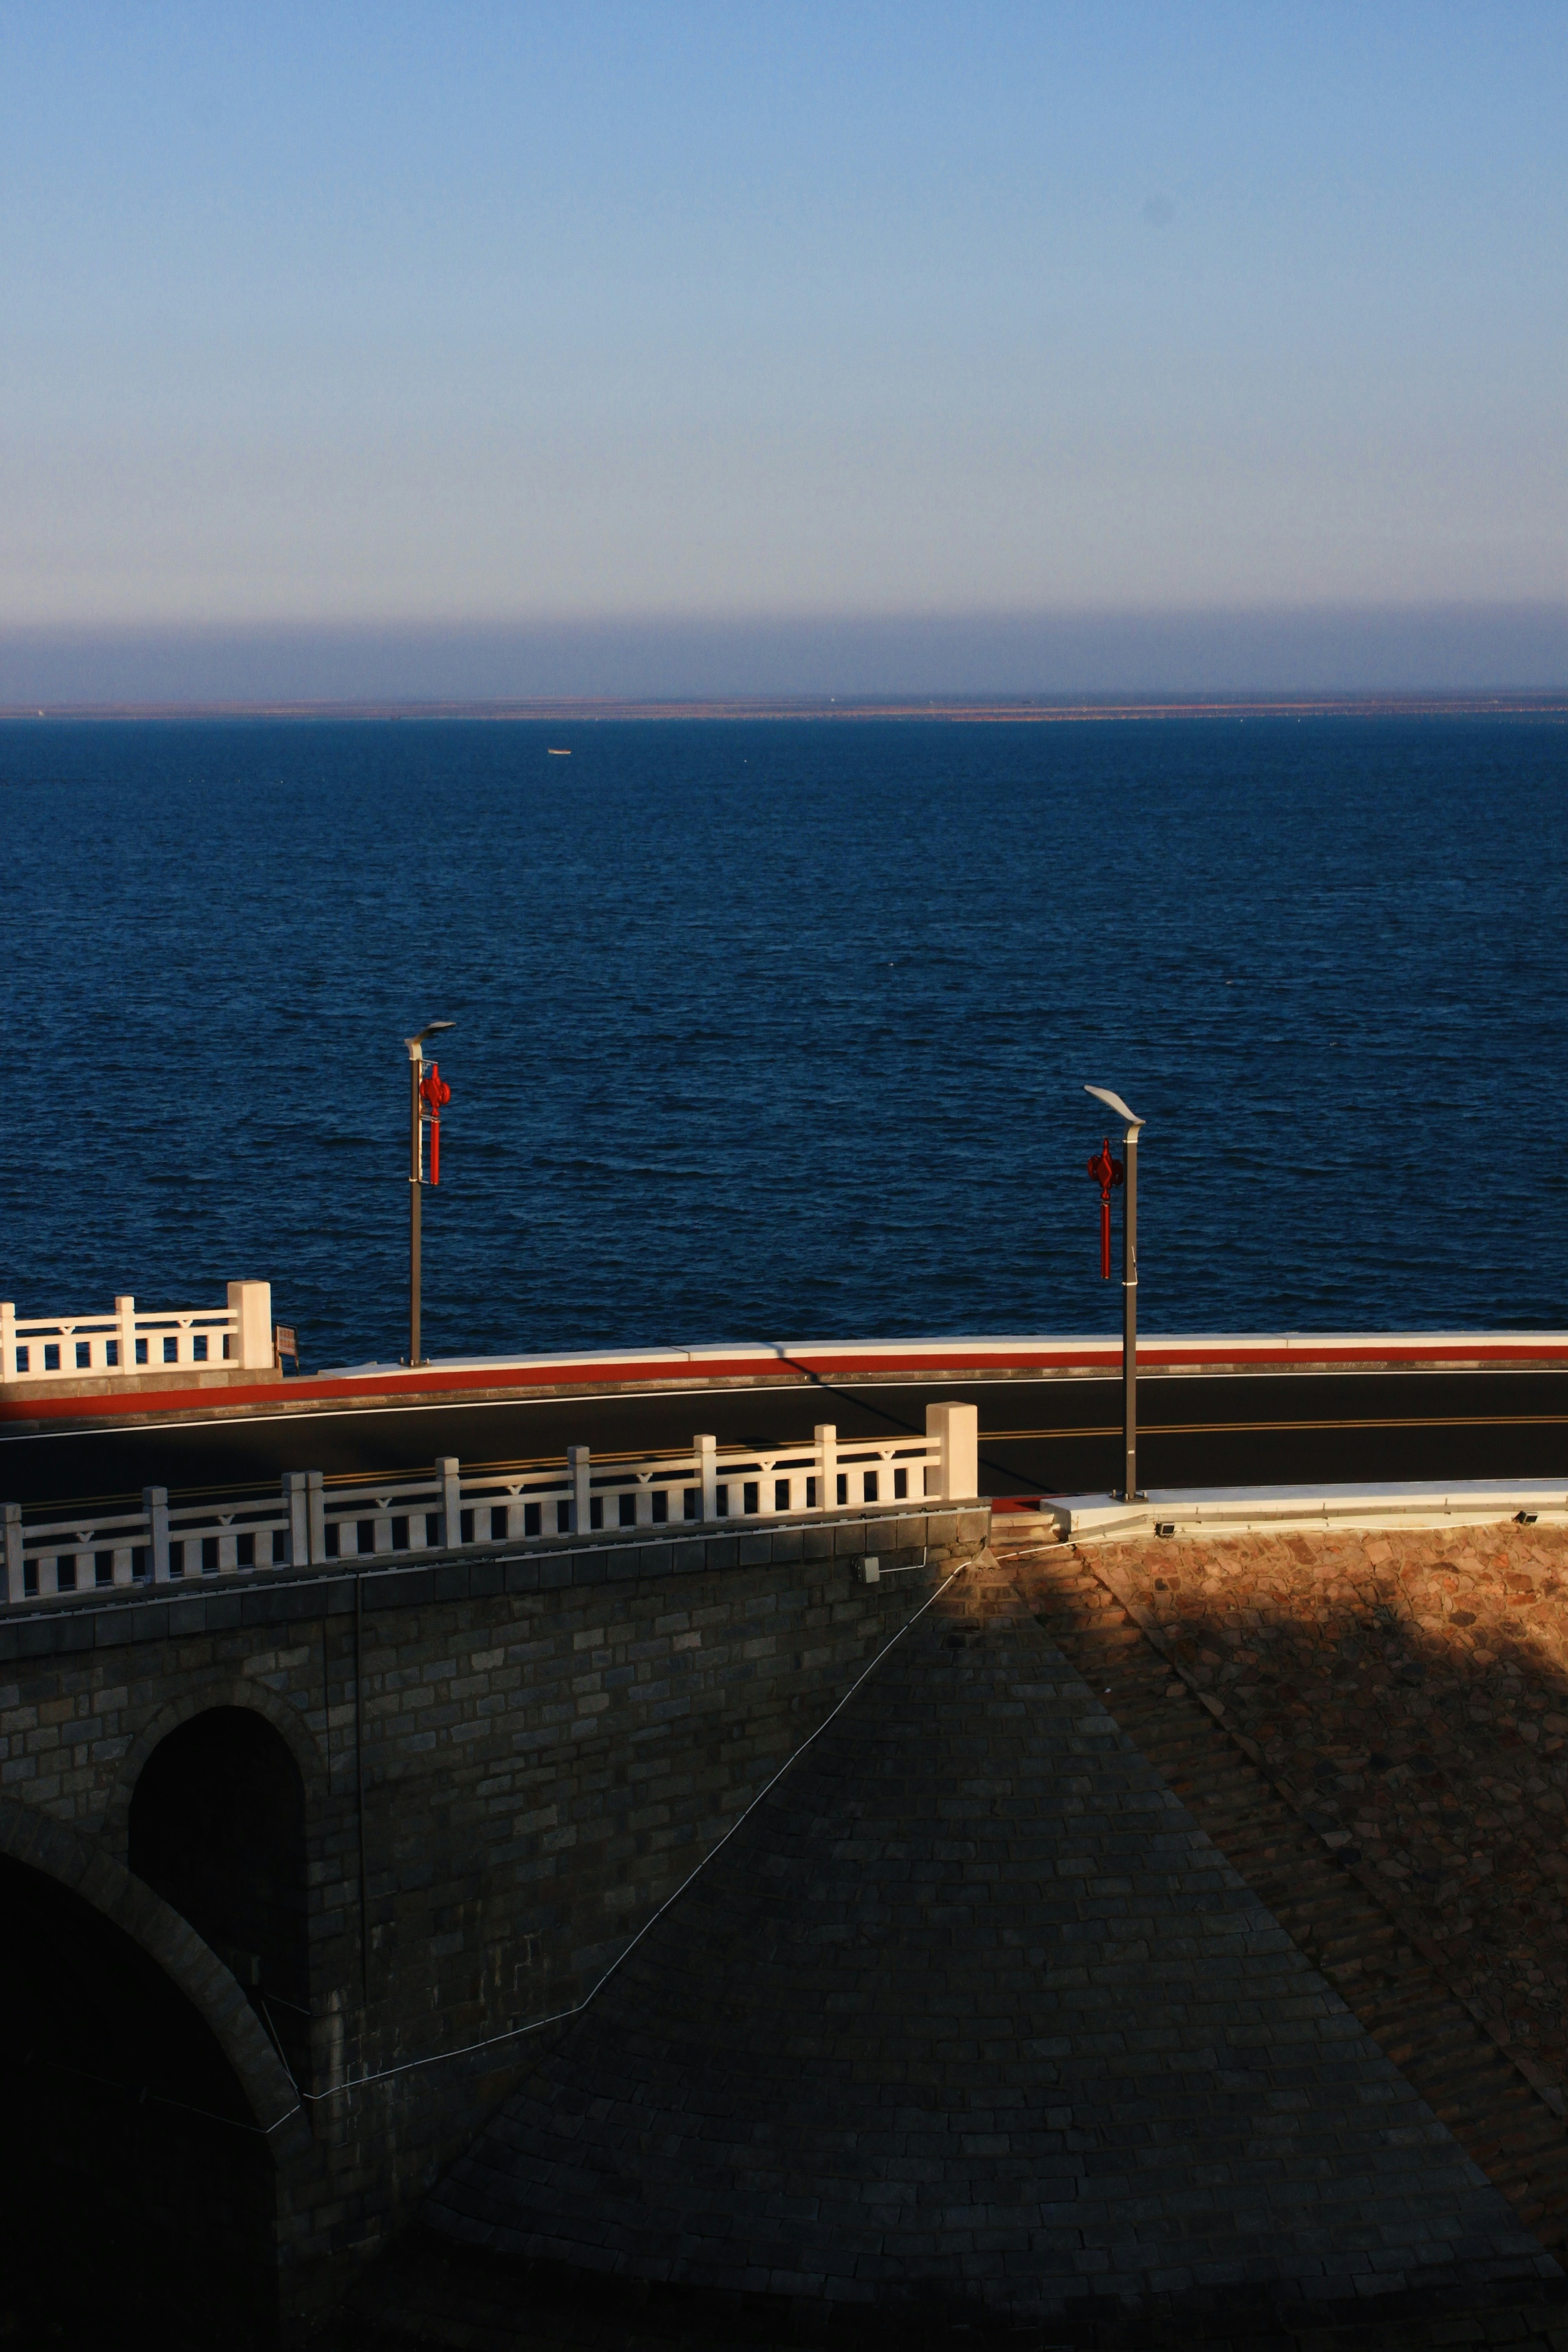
(432, 2293)
(1412, 1690)
(1490, 2094)
(971, 2013)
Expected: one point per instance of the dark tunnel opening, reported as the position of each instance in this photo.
(138, 2189)
(218, 1828)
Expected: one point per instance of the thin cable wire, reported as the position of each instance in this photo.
(557, 2017)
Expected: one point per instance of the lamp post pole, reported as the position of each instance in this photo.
(417, 1174)
(1130, 1487)
(415, 1188)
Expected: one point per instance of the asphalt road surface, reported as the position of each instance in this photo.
(1037, 1436)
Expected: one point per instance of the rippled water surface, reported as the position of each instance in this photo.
(782, 1028)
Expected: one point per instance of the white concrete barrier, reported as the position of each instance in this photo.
(312, 1520)
(133, 1343)
(1284, 1510)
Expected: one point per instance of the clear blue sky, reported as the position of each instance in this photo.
(518, 316)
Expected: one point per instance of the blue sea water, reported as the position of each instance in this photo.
(781, 1028)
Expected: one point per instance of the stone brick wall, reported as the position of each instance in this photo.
(511, 1757)
(973, 2023)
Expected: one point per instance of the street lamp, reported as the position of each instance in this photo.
(415, 1045)
(1130, 1489)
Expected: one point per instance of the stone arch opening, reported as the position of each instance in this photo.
(217, 1828)
(127, 2130)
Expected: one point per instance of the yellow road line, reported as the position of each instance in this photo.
(182, 1497)
(1236, 1428)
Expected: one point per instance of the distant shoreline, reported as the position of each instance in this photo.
(1002, 709)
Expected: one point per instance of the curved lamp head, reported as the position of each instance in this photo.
(1115, 1103)
(429, 1030)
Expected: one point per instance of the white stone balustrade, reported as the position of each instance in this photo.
(134, 1342)
(314, 1520)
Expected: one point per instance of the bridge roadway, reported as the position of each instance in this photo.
(1253, 1411)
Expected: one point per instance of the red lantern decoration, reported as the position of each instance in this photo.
(1107, 1173)
(433, 1092)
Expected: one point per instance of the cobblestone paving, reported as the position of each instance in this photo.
(972, 2008)
(1412, 1691)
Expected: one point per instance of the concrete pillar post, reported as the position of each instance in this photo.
(826, 1436)
(956, 1429)
(252, 1303)
(155, 1503)
(316, 1517)
(449, 1471)
(295, 1503)
(125, 1316)
(578, 1468)
(16, 1589)
(706, 1452)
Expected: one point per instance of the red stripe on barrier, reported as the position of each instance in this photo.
(933, 1360)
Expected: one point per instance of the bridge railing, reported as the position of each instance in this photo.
(133, 1341)
(310, 1520)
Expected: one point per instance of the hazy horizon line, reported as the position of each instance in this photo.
(1040, 710)
(1337, 651)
